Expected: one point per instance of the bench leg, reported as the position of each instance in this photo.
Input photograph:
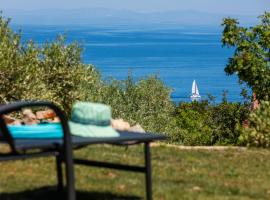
(59, 173)
(148, 172)
(70, 186)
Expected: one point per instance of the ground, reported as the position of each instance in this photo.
(177, 174)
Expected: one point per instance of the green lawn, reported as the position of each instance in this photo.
(177, 174)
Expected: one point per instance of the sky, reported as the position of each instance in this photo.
(240, 7)
(132, 12)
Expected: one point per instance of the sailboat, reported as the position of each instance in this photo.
(195, 92)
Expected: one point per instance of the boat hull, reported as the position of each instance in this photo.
(195, 97)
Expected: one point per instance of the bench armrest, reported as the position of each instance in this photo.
(17, 106)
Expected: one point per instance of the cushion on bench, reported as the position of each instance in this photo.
(37, 131)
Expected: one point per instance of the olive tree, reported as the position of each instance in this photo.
(53, 71)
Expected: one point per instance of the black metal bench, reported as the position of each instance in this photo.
(61, 149)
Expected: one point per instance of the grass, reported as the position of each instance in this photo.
(177, 174)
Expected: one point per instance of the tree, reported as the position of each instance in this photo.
(52, 72)
(251, 59)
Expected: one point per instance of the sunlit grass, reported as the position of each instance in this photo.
(177, 174)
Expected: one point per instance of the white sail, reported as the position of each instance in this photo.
(194, 89)
(195, 95)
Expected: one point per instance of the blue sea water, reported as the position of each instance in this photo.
(177, 55)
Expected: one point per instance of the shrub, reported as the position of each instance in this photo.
(66, 77)
(207, 123)
(19, 67)
(258, 131)
(146, 102)
(53, 72)
(192, 128)
(223, 121)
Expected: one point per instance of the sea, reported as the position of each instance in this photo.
(177, 55)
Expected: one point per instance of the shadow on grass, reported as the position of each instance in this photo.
(50, 193)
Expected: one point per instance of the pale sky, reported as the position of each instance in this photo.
(240, 7)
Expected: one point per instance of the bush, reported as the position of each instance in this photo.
(223, 121)
(146, 102)
(66, 77)
(192, 128)
(19, 67)
(55, 72)
(258, 131)
(206, 123)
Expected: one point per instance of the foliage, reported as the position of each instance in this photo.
(258, 131)
(52, 72)
(146, 102)
(251, 59)
(65, 76)
(224, 120)
(192, 128)
(206, 123)
(19, 67)
(55, 72)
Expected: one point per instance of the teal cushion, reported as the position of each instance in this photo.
(37, 131)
